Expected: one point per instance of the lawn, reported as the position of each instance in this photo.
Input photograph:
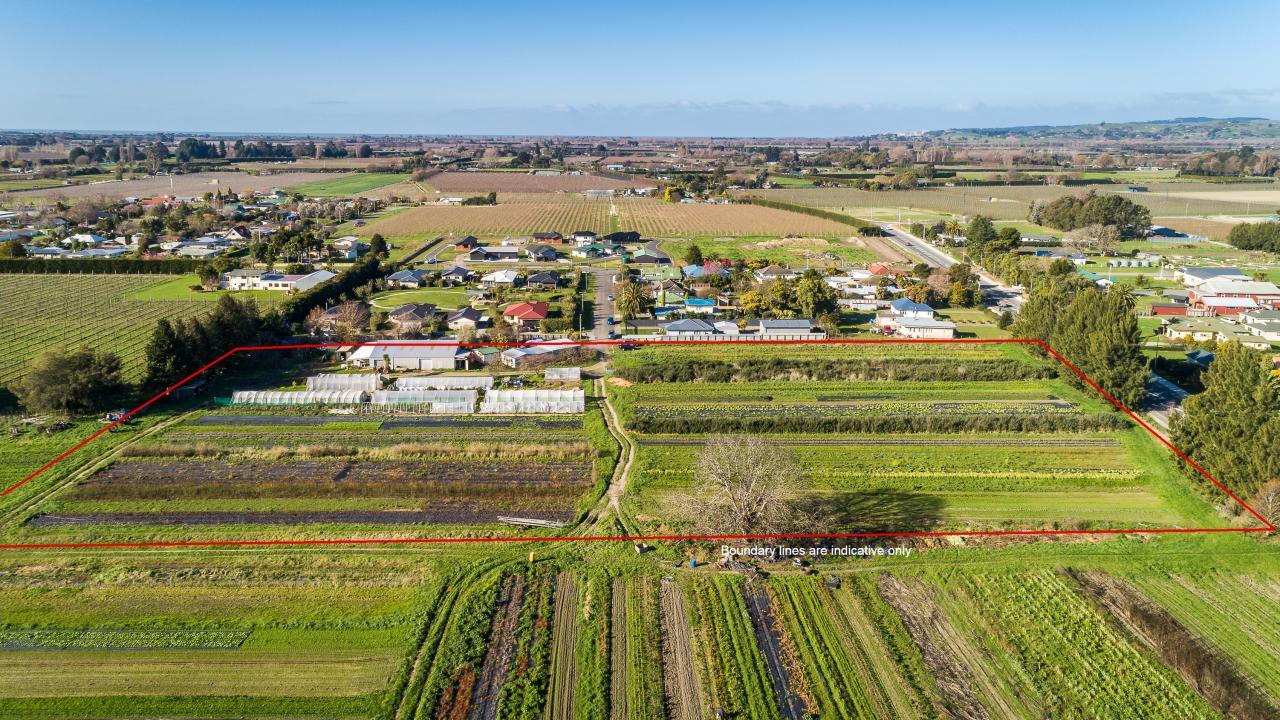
(451, 298)
(343, 185)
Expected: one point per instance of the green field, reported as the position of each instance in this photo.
(354, 184)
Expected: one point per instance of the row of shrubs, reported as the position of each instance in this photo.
(885, 424)
(756, 369)
(98, 266)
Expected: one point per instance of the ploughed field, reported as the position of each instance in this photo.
(237, 468)
(900, 438)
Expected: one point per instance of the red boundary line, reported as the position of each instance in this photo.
(1267, 526)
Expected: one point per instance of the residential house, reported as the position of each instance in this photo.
(688, 326)
(408, 278)
(500, 278)
(903, 309)
(467, 317)
(467, 243)
(456, 275)
(548, 237)
(622, 237)
(1208, 329)
(546, 280)
(356, 314)
(699, 306)
(526, 316)
(788, 327)
(924, 328)
(412, 317)
(775, 272)
(494, 253)
(267, 280)
(583, 237)
(541, 253)
(1264, 324)
(650, 257)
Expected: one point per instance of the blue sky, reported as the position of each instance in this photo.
(640, 68)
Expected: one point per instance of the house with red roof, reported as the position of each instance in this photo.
(526, 315)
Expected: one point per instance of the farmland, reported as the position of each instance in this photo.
(355, 184)
(567, 215)
(900, 443)
(39, 312)
(525, 214)
(524, 182)
(1181, 200)
(190, 184)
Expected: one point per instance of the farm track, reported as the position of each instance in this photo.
(684, 701)
(957, 441)
(501, 650)
(23, 508)
(564, 661)
(769, 638)
(622, 470)
(618, 651)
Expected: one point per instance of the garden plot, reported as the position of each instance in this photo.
(236, 468)
(984, 440)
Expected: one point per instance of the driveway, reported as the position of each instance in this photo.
(1163, 400)
(602, 307)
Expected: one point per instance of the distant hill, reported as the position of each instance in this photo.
(1186, 129)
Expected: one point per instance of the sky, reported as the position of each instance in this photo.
(744, 68)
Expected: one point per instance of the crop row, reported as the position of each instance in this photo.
(122, 639)
(1068, 654)
(737, 676)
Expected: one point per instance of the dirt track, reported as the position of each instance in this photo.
(948, 656)
(684, 700)
(769, 638)
(564, 661)
(502, 645)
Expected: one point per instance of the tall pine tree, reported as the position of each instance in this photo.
(1232, 428)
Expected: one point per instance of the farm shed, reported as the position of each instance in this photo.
(445, 382)
(409, 356)
(441, 401)
(367, 382)
(564, 374)
(299, 397)
(534, 401)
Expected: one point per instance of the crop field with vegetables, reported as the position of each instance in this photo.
(990, 439)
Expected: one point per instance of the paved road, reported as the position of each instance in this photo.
(1163, 399)
(602, 308)
(994, 292)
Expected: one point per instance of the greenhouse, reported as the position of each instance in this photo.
(441, 401)
(367, 382)
(299, 397)
(445, 382)
(563, 374)
(534, 401)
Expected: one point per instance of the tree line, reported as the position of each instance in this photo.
(1256, 236)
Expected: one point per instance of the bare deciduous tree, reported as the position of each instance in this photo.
(1267, 501)
(746, 486)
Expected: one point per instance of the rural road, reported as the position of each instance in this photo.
(994, 292)
(1163, 399)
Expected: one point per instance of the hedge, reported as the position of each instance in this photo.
(806, 210)
(883, 424)
(98, 266)
(694, 370)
